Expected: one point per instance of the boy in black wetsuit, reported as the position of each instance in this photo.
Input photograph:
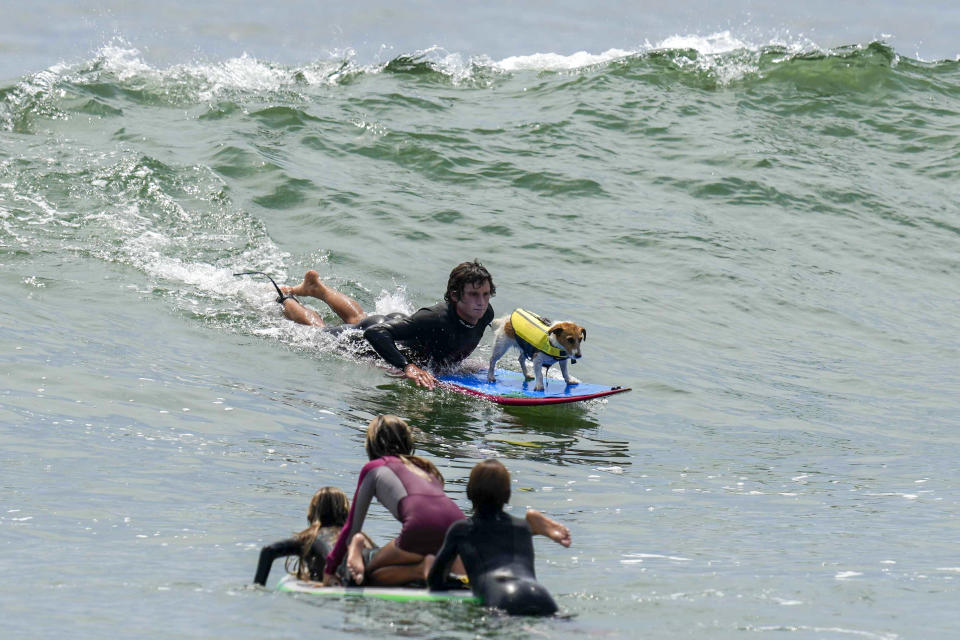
(442, 335)
(497, 548)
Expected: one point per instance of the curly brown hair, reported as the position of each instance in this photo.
(467, 273)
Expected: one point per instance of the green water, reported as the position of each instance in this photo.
(762, 243)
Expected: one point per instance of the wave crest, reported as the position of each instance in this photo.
(118, 74)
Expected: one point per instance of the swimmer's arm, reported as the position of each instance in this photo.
(271, 552)
(383, 341)
(542, 525)
(383, 337)
(366, 487)
(437, 578)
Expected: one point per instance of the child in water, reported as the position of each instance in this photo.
(326, 515)
(497, 548)
(411, 488)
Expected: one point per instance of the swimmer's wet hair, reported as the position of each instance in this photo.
(489, 486)
(467, 273)
(389, 435)
(329, 507)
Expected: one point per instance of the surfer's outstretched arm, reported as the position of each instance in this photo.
(271, 552)
(437, 568)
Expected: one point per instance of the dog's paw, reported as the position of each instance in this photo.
(572, 381)
(538, 387)
(491, 377)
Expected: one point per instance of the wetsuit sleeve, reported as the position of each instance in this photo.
(383, 337)
(437, 578)
(288, 547)
(366, 488)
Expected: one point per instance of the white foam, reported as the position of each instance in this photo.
(846, 575)
(451, 64)
(614, 469)
(559, 62)
(244, 73)
(712, 45)
(642, 556)
(144, 251)
(717, 43)
(393, 302)
(723, 55)
(123, 60)
(247, 73)
(822, 630)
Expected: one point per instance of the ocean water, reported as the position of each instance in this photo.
(752, 209)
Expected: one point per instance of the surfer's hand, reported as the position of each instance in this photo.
(419, 376)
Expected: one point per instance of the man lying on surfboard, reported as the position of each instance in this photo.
(442, 335)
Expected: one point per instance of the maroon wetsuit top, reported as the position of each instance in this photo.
(419, 503)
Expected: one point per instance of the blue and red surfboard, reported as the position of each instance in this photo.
(510, 388)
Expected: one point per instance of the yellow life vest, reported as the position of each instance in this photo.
(531, 331)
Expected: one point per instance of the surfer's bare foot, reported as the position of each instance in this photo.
(355, 558)
(311, 286)
(343, 305)
(544, 526)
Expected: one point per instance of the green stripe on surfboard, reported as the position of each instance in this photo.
(290, 584)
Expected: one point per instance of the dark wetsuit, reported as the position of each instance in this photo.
(315, 559)
(497, 551)
(420, 504)
(435, 335)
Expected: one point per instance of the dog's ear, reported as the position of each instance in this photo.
(555, 331)
(583, 334)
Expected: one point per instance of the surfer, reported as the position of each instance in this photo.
(326, 515)
(411, 488)
(497, 548)
(439, 336)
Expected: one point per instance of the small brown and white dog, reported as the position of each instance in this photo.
(539, 340)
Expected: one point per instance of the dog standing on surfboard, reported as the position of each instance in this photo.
(539, 340)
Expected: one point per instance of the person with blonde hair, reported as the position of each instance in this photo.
(308, 549)
(497, 548)
(411, 488)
